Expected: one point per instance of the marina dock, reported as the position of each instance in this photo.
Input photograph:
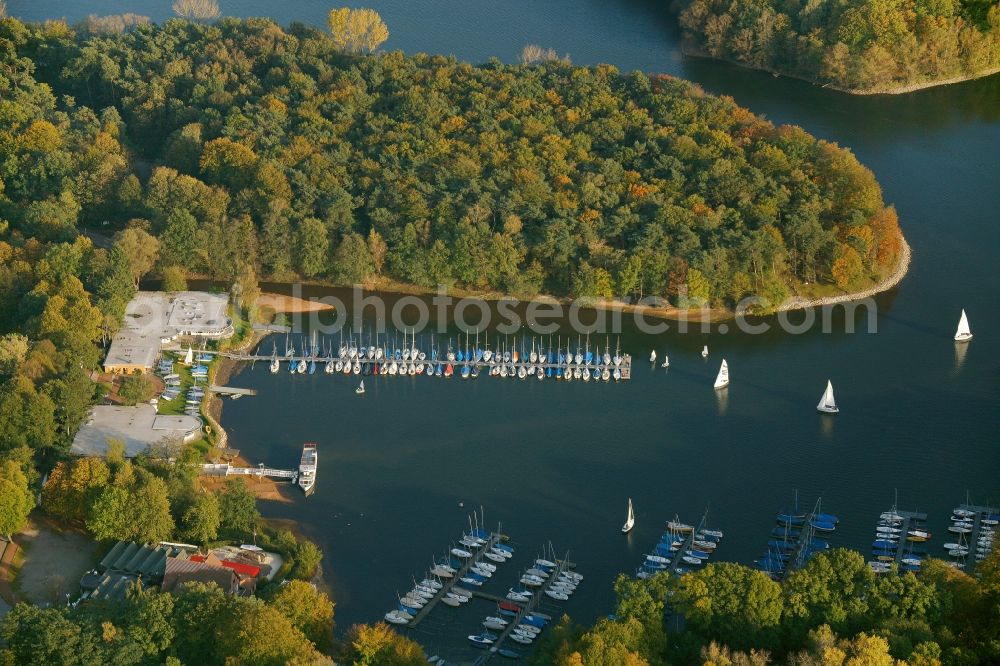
(450, 583)
(804, 541)
(561, 566)
(979, 529)
(512, 358)
(911, 520)
(232, 391)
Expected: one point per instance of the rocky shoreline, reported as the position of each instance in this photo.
(887, 283)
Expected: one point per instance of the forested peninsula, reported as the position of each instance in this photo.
(240, 148)
(857, 46)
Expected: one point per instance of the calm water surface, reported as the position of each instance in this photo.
(555, 462)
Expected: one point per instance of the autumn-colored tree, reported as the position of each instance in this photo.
(140, 248)
(357, 30)
(309, 610)
(379, 645)
(197, 10)
(378, 249)
(16, 498)
(847, 267)
(13, 350)
(174, 279)
(259, 634)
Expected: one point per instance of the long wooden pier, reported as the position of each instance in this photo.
(450, 583)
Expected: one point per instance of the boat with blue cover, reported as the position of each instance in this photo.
(791, 519)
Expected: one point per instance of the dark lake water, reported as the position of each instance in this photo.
(556, 462)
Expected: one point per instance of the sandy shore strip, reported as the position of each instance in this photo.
(262, 487)
(271, 303)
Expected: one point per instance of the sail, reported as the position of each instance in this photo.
(189, 357)
(827, 403)
(963, 332)
(722, 379)
(630, 521)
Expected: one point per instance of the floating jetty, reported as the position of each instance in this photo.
(681, 547)
(795, 540)
(468, 361)
(971, 534)
(442, 580)
(527, 609)
(899, 539)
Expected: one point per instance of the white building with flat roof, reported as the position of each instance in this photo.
(138, 427)
(155, 318)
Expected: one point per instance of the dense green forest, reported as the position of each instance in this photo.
(291, 624)
(833, 612)
(856, 45)
(241, 145)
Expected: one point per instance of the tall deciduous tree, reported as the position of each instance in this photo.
(140, 248)
(314, 247)
(378, 644)
(238, 508)
(309, 610)
(72, 487)
(16, 499)
(201, 519)
(357, 30)
(197, 10)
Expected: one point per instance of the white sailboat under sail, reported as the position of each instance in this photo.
(722, 379)
(630, 520)
(361, 388)
(827, 404)
(963, 334)
(704, 351)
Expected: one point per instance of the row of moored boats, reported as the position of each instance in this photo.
(441, 580)
(891, 542)
(681, 548)
(796, 535)
(466, 362)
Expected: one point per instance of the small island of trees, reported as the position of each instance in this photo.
(858, 46)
